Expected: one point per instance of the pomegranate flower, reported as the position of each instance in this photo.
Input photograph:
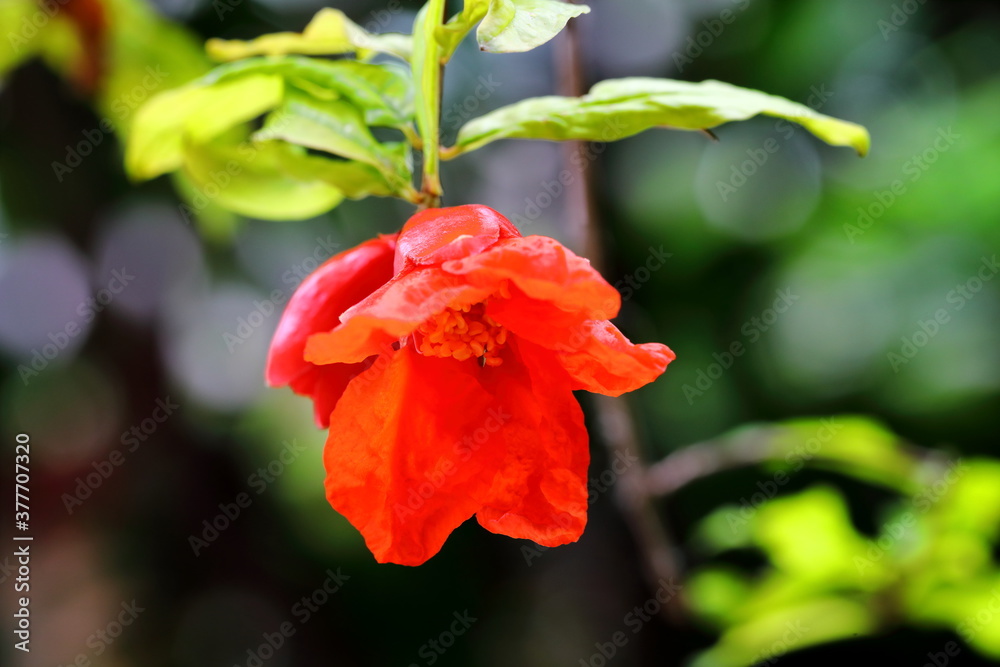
(444, 362)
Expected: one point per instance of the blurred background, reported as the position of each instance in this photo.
(834, 318)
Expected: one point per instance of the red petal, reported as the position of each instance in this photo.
(540, 491)
(413, 445)
(606, 362)
(594, 352)
(325, 384)
(391, 312)
(439, 234)
(543, 269)
(316, 305)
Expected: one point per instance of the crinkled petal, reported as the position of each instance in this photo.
(338, 284)
(439, 234)
(606, 362)
(545, 270)
(540, 491)
(414, 443)
(391, 312)
(594, 352)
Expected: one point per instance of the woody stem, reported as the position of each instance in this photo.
(615, 420)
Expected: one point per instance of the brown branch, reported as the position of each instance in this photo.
(580, 205)
(704, 459)
(651, 533)
(750, 447)
(615, 420)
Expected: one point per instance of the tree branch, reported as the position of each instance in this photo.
(616, 422)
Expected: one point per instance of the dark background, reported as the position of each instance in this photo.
(163, 338)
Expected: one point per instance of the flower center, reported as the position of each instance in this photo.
(462, 333)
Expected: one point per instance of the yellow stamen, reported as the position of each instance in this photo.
(462, 333)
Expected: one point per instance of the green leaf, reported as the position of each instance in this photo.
(513, 26)
(330, 32)
(449, 35)
(383, 92)
(271, 181)
(336, 127)
(426, 63)
(355, 179)
(620, 108)
(192, 115)
(16, 16)
(145, 54)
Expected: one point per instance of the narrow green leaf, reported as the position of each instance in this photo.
(272, 181)
(330, 32)
(513, 26)
(426, 63)
(194, 114)
(620, 108)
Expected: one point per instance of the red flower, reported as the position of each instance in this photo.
(444, 362)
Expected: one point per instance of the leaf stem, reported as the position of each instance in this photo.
(413, 137)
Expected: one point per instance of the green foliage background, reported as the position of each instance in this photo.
(874, 533)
